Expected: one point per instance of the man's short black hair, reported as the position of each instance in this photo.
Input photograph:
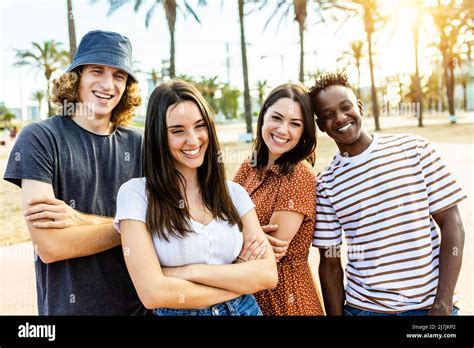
(330, 79)
(323, 82)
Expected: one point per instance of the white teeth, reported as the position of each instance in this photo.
(279, 140)
(345, 128)
(102, 95)
(192, 152)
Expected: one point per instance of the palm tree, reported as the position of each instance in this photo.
(7, 118)
(300, 13)
(71, 31)
(354, 55)
(245, 70)
(299, 7)
(38, 96)
(425, 89)
(46, 57)
(313, 75)
(372, 16)
(452, 21)
(154, 76)
(260, 86)
(170, 8)
(208, 88)
(229, 101)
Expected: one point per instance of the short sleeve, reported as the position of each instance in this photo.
(32, 157)
(327, 230)
(297, 192)
(241, 199)
(241, 176)
(131, 202)
(443, 191)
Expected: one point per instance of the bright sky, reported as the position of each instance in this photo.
(200, 49)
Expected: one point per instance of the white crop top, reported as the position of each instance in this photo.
(216, 243)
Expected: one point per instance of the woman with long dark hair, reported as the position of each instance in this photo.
(282, 184)
(183, 224)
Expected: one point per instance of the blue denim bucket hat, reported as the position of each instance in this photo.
(104, 48)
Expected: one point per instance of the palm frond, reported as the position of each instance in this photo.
(191, 10)
(149, 15)
(114, 5)
(138, 4)
(274, 13)
(183, 13)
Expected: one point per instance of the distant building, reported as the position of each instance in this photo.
(33, 113)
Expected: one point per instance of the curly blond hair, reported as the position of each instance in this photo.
(65, 93)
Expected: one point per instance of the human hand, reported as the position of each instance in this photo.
(270, 228)
(439, 309)
(52, 213)
(279, 246)
(254, 248)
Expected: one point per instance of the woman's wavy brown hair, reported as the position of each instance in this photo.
(65, 94)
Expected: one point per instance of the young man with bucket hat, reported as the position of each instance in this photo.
(70, 168)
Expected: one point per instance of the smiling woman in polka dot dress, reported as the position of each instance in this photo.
(282, 184)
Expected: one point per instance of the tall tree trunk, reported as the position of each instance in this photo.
(464, 95)
(375, 106)
(247, 101)
(170, 11)
(299, 7)
(301, 30)
(418, 94)
(450, 88)
(72, 31)
(449, 81)
(172, 55)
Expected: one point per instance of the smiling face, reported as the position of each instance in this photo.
(188, 136)
(282, 127)
(101, 88)
(340, 114)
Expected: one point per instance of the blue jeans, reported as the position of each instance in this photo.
(243, 305)
(356, 312)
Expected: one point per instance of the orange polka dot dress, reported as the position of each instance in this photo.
(296, 292)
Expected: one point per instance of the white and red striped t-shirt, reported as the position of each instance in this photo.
(383, 199)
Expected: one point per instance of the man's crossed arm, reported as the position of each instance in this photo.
(59, 232)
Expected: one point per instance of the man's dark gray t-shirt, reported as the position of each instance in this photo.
(86, 171)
